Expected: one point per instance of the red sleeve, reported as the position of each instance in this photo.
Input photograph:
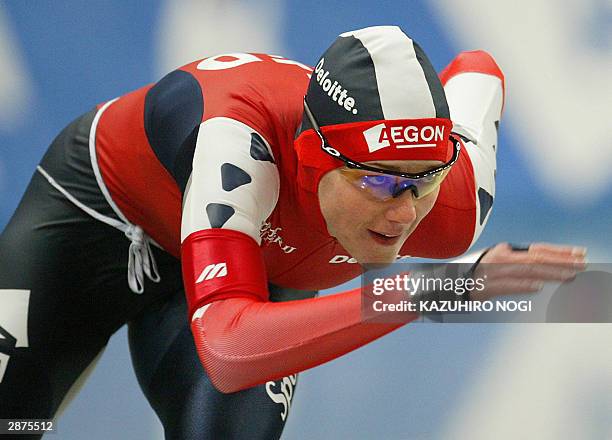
(466, 195)
(477, 61)
(244, 340)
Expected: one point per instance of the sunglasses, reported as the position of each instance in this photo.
(381, 183)
(385, 186)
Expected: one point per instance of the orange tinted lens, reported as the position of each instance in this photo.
(386, 186)
(428, 184)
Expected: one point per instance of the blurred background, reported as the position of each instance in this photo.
(424, 381)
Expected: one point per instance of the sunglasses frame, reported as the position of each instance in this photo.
(350, 163)
(395, 194)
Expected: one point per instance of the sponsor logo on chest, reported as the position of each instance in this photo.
(271, 235)
(337, 259)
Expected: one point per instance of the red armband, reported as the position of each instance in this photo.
(221, 263)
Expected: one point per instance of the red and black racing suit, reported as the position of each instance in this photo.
(200, 173)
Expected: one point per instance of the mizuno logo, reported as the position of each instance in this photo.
(410, 136)
(334, 90)
(215, 270)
